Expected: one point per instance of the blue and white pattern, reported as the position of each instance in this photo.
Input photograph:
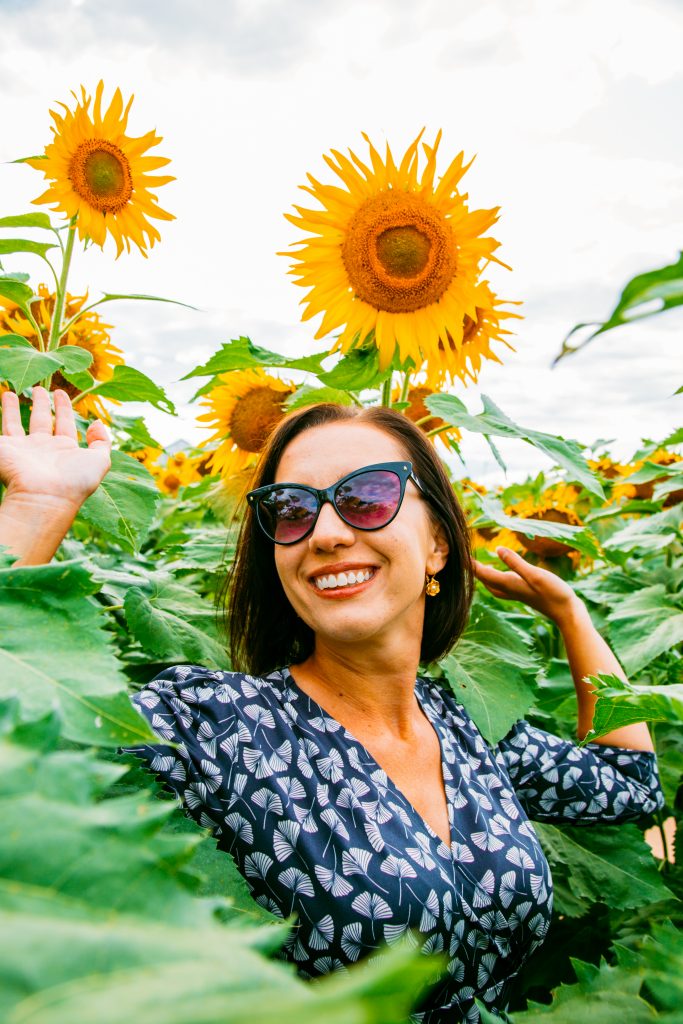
(318, 829)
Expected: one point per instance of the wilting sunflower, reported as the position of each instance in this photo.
(554, 505)
(463, 359)
(101, 175)
(418, 412)
(244, 409)
(88, 332)
(392, 256)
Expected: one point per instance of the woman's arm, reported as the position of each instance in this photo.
(587, 652)
(46, 474)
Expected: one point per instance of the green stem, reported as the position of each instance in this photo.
(437, 430)
(386, 392)
(56, 328)
(424, 419)
(405, 388)
(34, 325)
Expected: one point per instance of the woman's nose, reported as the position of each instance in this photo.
(330, 531)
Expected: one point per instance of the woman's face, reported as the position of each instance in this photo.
(388, 607)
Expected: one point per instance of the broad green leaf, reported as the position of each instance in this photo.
(575, 536)
(73, 359)
(15, 290)
(80, 379)
(660, 610)
(242, 354)
(14, 341)
(307, 395)
(358, 370)
(123, 505)
(492, 672)
(135, 428)
(609, 864)
(649, 533)
(621, 703)
(662, 956)
(493, 421)
(12, 245)
(27, 220)
(168, 627)
(22, 367)
(55, 653)
(131, 385)
(663, 286)
(602, 995)
(668, 740)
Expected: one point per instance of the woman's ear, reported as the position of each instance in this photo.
(438, 555)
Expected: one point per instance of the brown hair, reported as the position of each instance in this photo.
(265, 632)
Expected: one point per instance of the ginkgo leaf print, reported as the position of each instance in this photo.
(324, 724)
(433, 944)
(372, 906)
(161, 728)
(374, 834)
(298, 882)
(262, 717)
(322, 794)
(240, 827)
(400, 935)
(148, 699)
(332, 766)
(351, 940)
(210, 776)
(332, 882)
(257, 865)
(200, 694)
(516, 855)
(259, 764)
(162, 762)
(182, 711)
(400, 869)
(484, 890)
(285, 838)
(207, 739)
(462, 852)
(486, 841)
(322, 933)
(334, 823)
(291, 788)
(356, 861)
(306, 818)
(456, 968)
(430, 912)
(269, 801)
(329, 965)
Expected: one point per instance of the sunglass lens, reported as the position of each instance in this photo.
(369, 500)
(287, 514)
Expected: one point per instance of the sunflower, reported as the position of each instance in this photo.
(418, 412)
(244, 408)
(88, 332)
(463, 359)
(645, 491)
(555, 505)
(101, 175)
(392, 256)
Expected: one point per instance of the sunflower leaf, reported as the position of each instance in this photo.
(493, 421)
(647, 534)
(174, 626)
(130, 385)
(15, 290)
(123, 505)
(136, 429)
(14, 341)
(577, 537)
(309, 395)
(621, 703)
(242, 354)
(73, 358)
(12, 245)
(80, 379)
(27, 220)
(358, 370)
(22, 367)
(115, 297)
(663, 613)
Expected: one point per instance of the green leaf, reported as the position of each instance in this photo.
(27, 220)
(14, 341)
(651, 533)
(621, 703)
(166, 625)
(358, 370)
(81, 380)
(135, 428)
(12, 245)
(492, 672)
(578, 537)
(242, 354)
(664, 285)
(54, 653)
(115, 297)
(23, 367)
(663, 613)
(493, 421)
(124, 504)
(73, 359)
(605, 863)
(16, 291)
(130, 385)
(308, 395)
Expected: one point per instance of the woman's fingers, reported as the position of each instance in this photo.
(97, 435)
(11, 416)
(528, 572)
(65, 424)
(41, 413)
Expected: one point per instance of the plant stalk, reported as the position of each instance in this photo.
(60, 300)
(386, 392)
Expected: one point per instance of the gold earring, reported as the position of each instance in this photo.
(433, 586)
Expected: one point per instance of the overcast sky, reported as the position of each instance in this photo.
(573, 109)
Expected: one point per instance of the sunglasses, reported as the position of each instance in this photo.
(367, 499)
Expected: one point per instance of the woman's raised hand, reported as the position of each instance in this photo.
(47, 464)
(536, 587)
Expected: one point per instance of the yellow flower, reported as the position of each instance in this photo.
(555, 505)
(463, 359)
(418, 411)
(101, 175)
(392, 257)
(88, 332)
(243, 409)
(645, 491)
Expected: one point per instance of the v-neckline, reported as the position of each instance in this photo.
(440, 842)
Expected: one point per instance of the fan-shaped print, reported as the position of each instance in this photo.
(377, 811)
(420, 857)
(462, 853)
(292, 788)
(229, 746)
(282, 847)
(240, 827)
(433, 944)
(330, 965)
(160, 727)
(486, 841)
(269, 801)
(148, 699)
(456, 798)
(537, 883)
(306, 818)
(257, 762)
(351, 940)
(372, 906)
(493, 920)
(332, 766)
(456, 968)
(195, 795)
(332, 882)
(269, 904)
(379, 778)
(323, 724)
(373, 833)
(243, 733)
(182, 711)
(162, 763)
(322, 794)
(484, 890)
(210, 774)
(598, 803)
(516, 855)
(356, 861)
(257, 865)
(402, 814)
(297, 881)
(399, 867)
(330, 817)
(262, 717)
(304, 765)
(482, 799)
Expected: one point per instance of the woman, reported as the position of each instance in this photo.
(351, 791)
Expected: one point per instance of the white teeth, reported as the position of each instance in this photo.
(343, 579)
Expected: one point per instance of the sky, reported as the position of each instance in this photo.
(570, 107)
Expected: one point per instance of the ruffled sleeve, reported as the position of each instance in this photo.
(556, 780)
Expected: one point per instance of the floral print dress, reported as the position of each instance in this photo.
(318, 829)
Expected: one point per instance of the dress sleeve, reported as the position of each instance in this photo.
(556, 780)
(182, 705)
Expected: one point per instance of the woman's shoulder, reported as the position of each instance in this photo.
(194, 685)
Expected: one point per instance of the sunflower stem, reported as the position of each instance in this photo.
(405, 388)
(438, 430)
(386, 392)
(55, 329)
(424, 419)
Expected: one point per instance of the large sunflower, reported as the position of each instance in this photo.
(392, 255)
(101, 175)
(88, 332)
(418, 412)
(244, 409)
(555, 505)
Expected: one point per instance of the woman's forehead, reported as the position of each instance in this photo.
(323, 454)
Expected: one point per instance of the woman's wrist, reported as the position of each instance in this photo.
(33, 526)
(572, 614)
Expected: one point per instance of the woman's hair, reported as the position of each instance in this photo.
(264, 631)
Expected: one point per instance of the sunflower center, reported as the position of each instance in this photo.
(399, 252)
(100, 174)
(255, 415)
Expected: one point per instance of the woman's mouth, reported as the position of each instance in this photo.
(350, 578)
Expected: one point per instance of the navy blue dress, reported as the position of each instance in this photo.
(318, 829)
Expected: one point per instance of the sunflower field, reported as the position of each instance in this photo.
(113, 905)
